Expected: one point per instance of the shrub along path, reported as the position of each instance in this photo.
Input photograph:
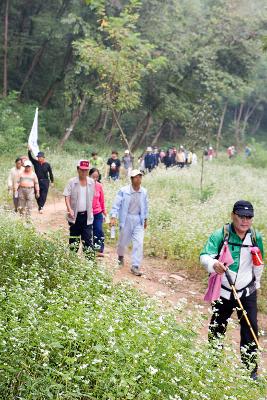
(165, 281)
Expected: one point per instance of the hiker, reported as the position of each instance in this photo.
(156, 156)
(113, 166)
(13, 178)
(247, 151)
(240, 236)
(149, 159)
(97, 162)
(42, 170)
(180, 157)
(210, 153)
(131, 209)
(79, 194)
(99, 212)
(127, 163)
(27, 187)
(168, 159)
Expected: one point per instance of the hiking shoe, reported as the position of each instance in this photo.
(135, 270)
(121, 260)
(254, 376)
(41, 210)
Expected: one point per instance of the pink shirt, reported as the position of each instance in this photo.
(98, 200)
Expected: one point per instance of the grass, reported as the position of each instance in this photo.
(67, 332)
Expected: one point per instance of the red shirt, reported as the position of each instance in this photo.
(99, 200)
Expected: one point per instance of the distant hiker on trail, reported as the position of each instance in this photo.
(244, 267)
(13, 178)
(168, 159)
(210, 153)
(113, 166)
(127, 163)
(99, 212)
(247, 151)
(156, 156)
(131, 209)
(149, 159)
(42, 170)
(180, 157)
(231, 151)
(79, 194)
(27, 187)
(97, 162)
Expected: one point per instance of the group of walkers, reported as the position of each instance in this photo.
(172, 157)
(28, 180)
(85, 203)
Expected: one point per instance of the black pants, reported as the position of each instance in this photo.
(222, 311)
(81, 231)
(44, 186)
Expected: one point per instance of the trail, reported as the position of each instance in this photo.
(162, 279)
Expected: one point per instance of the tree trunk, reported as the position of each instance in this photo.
(156, 138)
(248, 114)
(149, 122)
(237, 126)
(75, 118)
(36, 59)
(110, 133)
(62, 74)
(257, 125)
(5, 49)
(219, 133)
(137, 130)
(121, 130)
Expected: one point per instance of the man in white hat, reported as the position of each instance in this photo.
(127, 162)
(131, 209)
(79, 194)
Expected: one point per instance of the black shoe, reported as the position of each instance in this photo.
(121, 260)
(254, 376)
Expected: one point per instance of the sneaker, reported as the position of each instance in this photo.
(41, 210)
(135, 270)
(121, 260)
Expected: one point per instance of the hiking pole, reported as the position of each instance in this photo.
(229, 278)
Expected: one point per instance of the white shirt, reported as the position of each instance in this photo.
(82, 199)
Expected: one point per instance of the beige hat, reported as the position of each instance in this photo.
(27, 163)
(127, 152)
(136, 172)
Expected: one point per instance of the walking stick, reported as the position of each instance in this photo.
(229, 278)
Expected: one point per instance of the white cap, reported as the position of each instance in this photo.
(136, 172)
(27, 163)
(127, 152)
(149, 149)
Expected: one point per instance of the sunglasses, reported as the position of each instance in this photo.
(243, 217)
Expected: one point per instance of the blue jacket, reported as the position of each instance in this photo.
(121, 205)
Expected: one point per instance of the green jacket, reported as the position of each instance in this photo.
(242, 270)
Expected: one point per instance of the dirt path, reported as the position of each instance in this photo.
(161, 280)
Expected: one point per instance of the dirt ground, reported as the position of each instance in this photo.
(161, 280)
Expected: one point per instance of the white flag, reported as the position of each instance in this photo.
(33, 138)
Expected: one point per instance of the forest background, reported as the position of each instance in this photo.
(140, 72)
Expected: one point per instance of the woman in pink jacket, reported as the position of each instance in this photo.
(99, 211)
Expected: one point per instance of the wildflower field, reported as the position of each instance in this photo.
(67, 332)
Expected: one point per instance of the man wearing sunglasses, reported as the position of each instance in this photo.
(240, 237)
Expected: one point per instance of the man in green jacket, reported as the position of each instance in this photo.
(240, 237)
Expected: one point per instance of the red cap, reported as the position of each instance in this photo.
(83, 164)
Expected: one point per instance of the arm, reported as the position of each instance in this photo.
(102, 201)
(31, 158)
(116, 208)
(259, 270)
(210, 252)
(36, 187)
(50, 174)
(69, 209)
(146, 211)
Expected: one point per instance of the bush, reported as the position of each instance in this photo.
(67, 333)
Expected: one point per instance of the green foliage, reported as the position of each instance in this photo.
(12, 131)
(68, 333)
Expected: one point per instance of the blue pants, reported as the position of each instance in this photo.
(98, 233)
(133, 232)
